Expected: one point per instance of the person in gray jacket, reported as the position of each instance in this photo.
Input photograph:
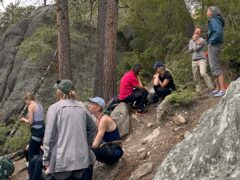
(70, 132)
(199, 62)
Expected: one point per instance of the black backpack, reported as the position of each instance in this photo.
(152, 98)
(6, 168)
(112, 104)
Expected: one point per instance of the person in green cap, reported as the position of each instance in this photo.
(70, 131)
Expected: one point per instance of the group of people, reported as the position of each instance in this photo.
(75, 135)
(199, 57)
(133, 92)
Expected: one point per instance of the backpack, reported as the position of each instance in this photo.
(152, 98)
(6, 168)
(112, 104)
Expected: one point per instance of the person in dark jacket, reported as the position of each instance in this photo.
(215, 40)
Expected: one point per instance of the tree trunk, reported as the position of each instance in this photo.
(64, 61)
(105, 79)
(45, 2)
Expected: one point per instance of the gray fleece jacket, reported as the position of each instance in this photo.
(69, 132)
(197, 49)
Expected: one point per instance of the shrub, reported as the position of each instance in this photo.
(20, 139)
(41, 44)
(183, 98)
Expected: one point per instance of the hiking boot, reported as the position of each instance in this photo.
(220, 94)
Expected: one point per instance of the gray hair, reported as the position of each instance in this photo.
(215, 11)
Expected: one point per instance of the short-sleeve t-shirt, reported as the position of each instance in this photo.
(167, 75)
(127, 83)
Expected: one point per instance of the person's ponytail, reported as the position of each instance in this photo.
(72, 94)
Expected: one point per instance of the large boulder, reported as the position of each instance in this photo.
(212, 150)
(121, 115)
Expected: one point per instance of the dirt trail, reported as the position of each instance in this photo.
(138, 151)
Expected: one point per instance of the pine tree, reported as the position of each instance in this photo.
(106, 54)
(64, 60)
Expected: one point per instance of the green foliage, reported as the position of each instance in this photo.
(154, 21)
(4, 130)
(182, 98)
(180, 66)
(159, 32)
(80, 13)
(13, 14)
(20, 139)
(41, 44)
(231, 49)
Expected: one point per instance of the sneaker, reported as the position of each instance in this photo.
(214, 92)
(220, 94)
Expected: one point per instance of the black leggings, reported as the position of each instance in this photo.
(139, 96)
(162, 92)
(35, 168)
(108, 155)
(35, 142)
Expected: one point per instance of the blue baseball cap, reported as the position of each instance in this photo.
(99, 101)
(158, 64)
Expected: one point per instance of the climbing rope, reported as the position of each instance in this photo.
(37, 87)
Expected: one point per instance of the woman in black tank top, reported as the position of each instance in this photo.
(106, 145)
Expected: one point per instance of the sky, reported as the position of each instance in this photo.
(23, 3)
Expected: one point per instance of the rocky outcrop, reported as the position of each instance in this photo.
(212, 150)
(163, 107)
(19, 75)
(121, 115)
(142, 171)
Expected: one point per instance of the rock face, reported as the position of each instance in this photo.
(163, 108)
(19, 75)
(212, 150)
(142, 171)
(121, 115)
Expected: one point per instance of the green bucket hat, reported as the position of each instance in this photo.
(64, 85)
